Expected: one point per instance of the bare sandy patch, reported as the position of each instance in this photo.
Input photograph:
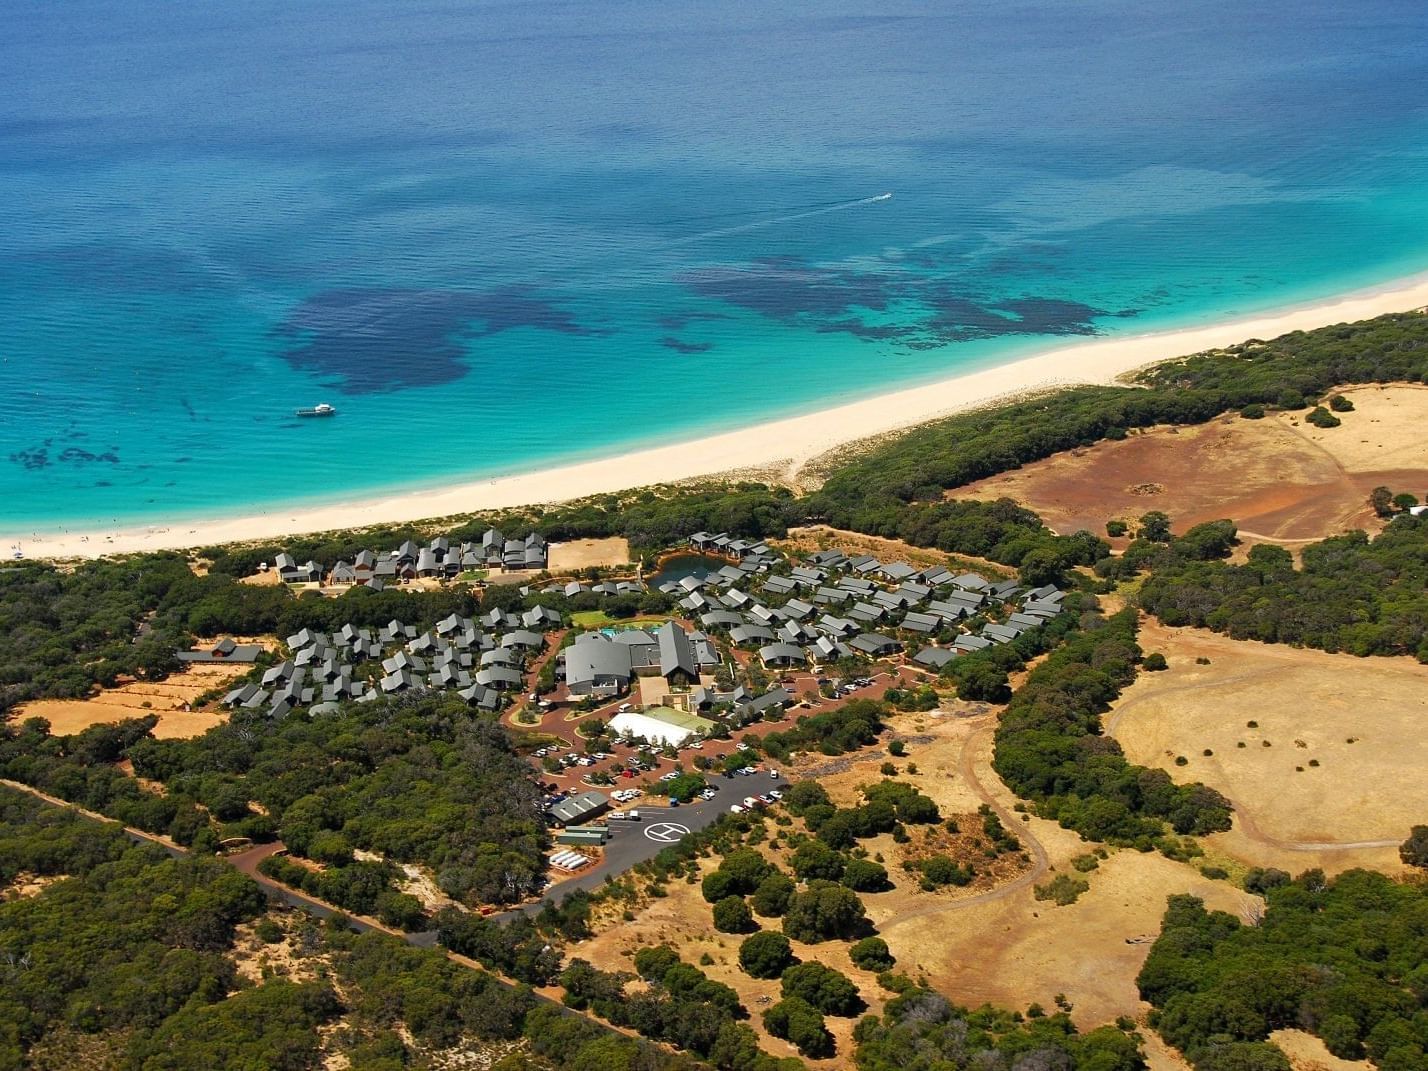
(1279, 479)
(1016, 950)
(1308, 1053)
(267, 579)
(812, 538)
(26, 886)
(135, 699)
(1306, 707)
(584, 553)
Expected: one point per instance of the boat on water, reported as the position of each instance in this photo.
(320, 409)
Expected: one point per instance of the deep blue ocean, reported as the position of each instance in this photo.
(499, 234)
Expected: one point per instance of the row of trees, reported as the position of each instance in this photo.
(1050, 748)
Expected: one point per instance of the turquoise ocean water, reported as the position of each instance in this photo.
(500, 234)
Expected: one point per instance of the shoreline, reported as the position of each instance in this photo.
(786, 444)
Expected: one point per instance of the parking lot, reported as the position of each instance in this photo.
(659, 826)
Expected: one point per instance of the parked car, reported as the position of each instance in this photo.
(734, 808)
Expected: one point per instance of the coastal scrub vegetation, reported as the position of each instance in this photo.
(1342, 959)
(921, 1030)
(129, 957)
(1350, 593)
(414, 779)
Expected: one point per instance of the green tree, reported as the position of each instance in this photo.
(732, 915)
(798, 1022)
(872, 954)
(830, 991)
(1414, 850)
(765, 955)
(772, 896)
(1155, 527)
(823, 911)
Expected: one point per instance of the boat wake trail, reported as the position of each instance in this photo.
(778, 221)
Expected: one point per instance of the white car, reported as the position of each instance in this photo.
(734, 808)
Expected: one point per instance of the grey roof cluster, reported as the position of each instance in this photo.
(595, 661)
(438, 558)
(740, 549)
(1037, 607)
(456, 655)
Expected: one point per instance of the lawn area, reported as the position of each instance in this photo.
(600, 619)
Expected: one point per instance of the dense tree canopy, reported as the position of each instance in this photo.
(1343, 959)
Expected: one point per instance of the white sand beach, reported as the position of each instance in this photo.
(785, 444)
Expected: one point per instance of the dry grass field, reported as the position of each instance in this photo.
(1305, 794)
(1279, 479)
(991, 941)
(583, 553)
(1002, 944)
(135, 699)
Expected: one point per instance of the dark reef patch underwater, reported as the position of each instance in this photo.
(367, 341)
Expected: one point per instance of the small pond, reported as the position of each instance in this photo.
(678, 566)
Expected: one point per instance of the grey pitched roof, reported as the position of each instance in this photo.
(750, 634)
(676, 652)
(592, 657)
(915, 622)
(781, 652)
(935, 657)
(873, 643)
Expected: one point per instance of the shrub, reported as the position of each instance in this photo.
(1322, 418)
(801, 1024)
(1063, 889)
(939, 870)
(897, 748)
(1253, 411)
(732, 915)
(766, 955)
(1155, 662)
(772, 896)
(830, 991)
(864, 875)
(1339, 404)
(872, 954)
(1116, 529)
(823, 911)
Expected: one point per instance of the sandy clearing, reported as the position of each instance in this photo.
(1016, 950)
(1384, 432)
(1308, 1053)
(1307, 705)
(1280, 479)
(584, 553)
(138, 698)
(818, 537)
